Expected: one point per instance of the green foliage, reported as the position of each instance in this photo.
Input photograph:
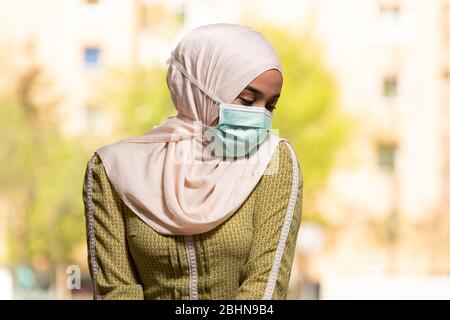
(41, 176)
(138, 99)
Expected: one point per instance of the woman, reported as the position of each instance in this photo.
(206, 205)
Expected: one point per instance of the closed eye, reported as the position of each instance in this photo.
(246, 102)
(250, 103)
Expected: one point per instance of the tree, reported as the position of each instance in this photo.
(138, 99)
(41, 173)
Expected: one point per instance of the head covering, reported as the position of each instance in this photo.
(161, 176)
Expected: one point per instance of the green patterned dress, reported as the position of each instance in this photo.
(249, 256)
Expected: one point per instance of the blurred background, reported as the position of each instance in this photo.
(365, 101)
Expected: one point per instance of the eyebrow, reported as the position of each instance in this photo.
(253, 89)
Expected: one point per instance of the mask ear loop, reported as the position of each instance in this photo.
(195, 82)
(204, 127)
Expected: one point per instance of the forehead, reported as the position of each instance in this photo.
(269, 82)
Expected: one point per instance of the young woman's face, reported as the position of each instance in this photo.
(263, 91)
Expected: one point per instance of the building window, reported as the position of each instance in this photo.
(91, 57)
(390, 23)
(389, 16)
(390, 87)
(386, 156)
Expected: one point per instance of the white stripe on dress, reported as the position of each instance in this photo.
(270, 286)
(90, 229)
(193, 273)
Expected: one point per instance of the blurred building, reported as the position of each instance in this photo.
(391, 62)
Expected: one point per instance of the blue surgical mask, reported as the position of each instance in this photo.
(240, 129)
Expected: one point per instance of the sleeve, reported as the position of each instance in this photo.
(277, 219)
(111, 266)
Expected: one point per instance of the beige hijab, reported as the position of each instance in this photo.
(167, 176)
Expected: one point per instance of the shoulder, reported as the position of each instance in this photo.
(97, 183)
(95, 170)
(284, 160)
(95, 163)
(286, 151)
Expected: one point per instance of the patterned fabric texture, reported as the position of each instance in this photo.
(249, 256)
